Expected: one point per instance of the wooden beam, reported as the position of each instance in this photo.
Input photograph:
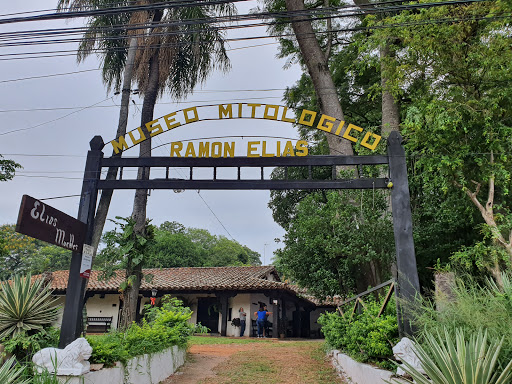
(408, 286)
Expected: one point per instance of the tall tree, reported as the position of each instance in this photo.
(172, 57)
(7, 169)
(460, 114)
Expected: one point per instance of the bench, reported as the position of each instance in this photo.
(98, 324)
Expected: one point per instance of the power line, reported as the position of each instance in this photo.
(213, 213)
(51, 121)
(63, 53)
(46, 76)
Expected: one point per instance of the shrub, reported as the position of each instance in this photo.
(365, 337)
(459, 361)
(24, 345)
(475, 307)
(25, 306)
(162, 327)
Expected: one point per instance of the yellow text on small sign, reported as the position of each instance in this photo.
(185, 116)
(227, 149)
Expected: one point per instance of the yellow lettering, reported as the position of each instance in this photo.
(154, 126)
(264, 151)
(347, 136)
(190, 151)
(251, 148)
(278, 151)
(169, 121)
(176, 148)
(223, 111)
(140, 140)
(266, 114)
(376, 141)
(339, 128)
(229, 149)
(240, 110)
(122, 145)
(204, 149)
(288, 149)
(190, 119)
(328, 124)
(216, 149)
(253, 106)
(311, 115)
(284, 118)
(302, 148)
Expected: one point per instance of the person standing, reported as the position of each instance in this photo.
(261, 317)
(243, 316)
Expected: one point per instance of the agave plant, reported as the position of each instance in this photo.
(446, 361)
(25, 306)
(10, 374)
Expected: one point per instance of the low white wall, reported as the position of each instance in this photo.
(145, 369)
(358, 373)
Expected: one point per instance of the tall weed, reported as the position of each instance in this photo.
(474, 308)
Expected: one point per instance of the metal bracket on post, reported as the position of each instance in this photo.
(408, 286)
(75, 291)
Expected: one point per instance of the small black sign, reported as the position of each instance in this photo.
(39, 220)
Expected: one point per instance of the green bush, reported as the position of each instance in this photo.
(365, 337)
(475, 307)
(162, 327)
(24, 345)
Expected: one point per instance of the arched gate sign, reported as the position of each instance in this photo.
(407, 280)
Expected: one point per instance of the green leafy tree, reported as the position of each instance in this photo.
(127, 248)
(20, 254)
(176, 246)
(331, 241)
(7, 169)
(456, 127)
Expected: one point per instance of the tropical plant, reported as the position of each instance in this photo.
(128, 248)
(25, 306)
(459, 361)
(172, 56)
(11, 374)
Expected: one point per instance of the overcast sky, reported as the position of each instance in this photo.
(51, 146)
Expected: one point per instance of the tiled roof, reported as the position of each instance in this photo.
(186, 279)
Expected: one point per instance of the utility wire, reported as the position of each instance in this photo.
(51, 121)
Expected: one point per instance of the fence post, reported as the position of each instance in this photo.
(407, 286)
(75, 291)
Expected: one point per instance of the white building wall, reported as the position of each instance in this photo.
(104, 307)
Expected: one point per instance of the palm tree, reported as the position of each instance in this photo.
(170, 57)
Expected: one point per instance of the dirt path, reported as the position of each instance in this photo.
(270, 361)
(201, 361)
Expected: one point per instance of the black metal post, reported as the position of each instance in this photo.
(224, 314)
(75, 291)
(408, 286)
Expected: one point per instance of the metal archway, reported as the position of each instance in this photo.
(407, 280)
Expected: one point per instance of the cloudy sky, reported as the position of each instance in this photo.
(53, 118)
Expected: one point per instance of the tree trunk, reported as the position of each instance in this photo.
(131, 294)
(390, 110)
(106, 195)
(318, 69)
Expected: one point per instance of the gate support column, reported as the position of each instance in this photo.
(75, 291)
(408, 283)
